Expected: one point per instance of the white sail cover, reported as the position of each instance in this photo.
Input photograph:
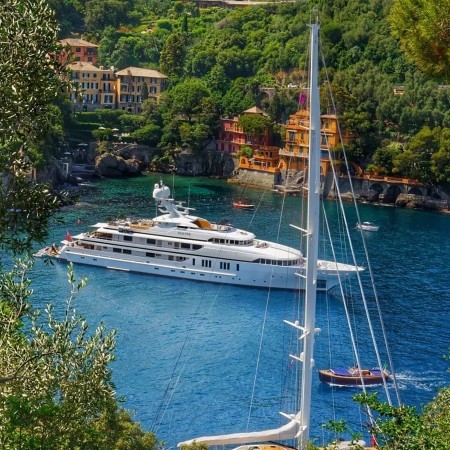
(291, 430)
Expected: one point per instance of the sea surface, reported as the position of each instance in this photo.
(197, 359)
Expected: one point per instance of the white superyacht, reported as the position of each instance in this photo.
(177, 244)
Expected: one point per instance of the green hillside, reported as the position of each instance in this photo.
(234, 53)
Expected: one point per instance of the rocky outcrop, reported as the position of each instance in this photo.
(114, 166)
(208, 162)
(412, 201)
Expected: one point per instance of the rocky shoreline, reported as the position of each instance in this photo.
(134, 160)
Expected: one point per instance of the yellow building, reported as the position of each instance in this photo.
(294, 155)
(94, 87)
(129, 85)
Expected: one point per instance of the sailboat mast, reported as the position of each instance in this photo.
(312, 236)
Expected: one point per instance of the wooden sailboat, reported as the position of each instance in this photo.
(298, 425)
(353, 376)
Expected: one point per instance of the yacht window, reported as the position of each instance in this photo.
(196, 247)
(128, 238)
(150, 255)
(193, 262)
(117, 250)
(170, 257)
(237, 267)
(127, 251)
(151, 241)
(183, 245)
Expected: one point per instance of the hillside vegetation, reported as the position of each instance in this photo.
(228, 56)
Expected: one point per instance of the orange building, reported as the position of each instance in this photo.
(233, 139)
(294, 155)
(80, 50)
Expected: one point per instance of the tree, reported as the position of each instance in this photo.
(144, 92)
(68, 16)
(254, 125)
(125, 53)
(102, 13)
(415, 161)
(55, 382)
(110, 118)
(437, 414)
(190, 115)
(383, 158)
(238, 98)
(185, 99)
(173, 54)
(105, 134)
(404, 428)
(149, 135)
(422, 27)
(440, 166)
(30, 82)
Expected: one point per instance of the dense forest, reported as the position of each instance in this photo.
(218, 60)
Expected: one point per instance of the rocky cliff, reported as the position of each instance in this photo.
(209, 163)
(113, 166)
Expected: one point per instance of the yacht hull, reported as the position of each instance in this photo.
(247, 274)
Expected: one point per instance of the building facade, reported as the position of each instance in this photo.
(232, 137)
(134, 85)
(80, 50)
(294, 154)
(93, 87)
(100, 87)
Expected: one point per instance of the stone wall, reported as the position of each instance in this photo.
(253, 178)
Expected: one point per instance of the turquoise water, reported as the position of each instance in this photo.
(186, 350)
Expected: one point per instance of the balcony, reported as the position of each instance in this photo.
(258, 167)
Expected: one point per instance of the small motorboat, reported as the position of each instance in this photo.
(241, 205)
(353, 376)
(367, 226)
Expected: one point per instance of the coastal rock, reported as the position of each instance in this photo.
(411, 201)
(208, 162)
(114, 166)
